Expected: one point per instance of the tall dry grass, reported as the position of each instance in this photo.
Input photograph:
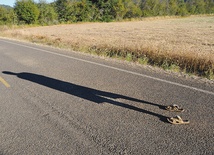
(180, 44)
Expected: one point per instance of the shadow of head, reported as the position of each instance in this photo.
(9, 73)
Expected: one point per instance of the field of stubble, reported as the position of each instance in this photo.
(180, 44)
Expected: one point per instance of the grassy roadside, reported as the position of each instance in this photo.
(183, 60)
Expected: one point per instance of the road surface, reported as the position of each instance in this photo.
(59, 102)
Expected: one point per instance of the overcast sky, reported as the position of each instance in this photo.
(12, 2)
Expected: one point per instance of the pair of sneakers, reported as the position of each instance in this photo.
(177, 119)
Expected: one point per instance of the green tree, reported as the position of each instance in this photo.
(7, 16)
(182, 9)
(81, 11)
(209, 6)
(106, 10)
(150, 7)
(190, 4)
(173, 7)
(47, 13)
(199, 7)
(196, 6)
(63, 8)
(120, 9)
(162, 7)
(27, 11)
(132, 9)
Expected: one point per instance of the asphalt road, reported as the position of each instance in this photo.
(59, 102)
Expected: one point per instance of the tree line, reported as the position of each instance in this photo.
(68, 11)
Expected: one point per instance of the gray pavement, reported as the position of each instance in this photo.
(61, 102)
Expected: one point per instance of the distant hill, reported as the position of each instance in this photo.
(5, 6)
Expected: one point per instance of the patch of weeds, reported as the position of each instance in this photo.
(144, 60)
(92, 51)
(174, 67)
(165, 65)
(107, 52)
(209, 74)
(129, 57)
(83, 49)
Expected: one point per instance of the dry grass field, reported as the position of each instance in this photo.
(185, 44)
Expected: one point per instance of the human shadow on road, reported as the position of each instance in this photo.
(93, 95)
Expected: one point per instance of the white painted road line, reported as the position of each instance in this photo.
(115, 68)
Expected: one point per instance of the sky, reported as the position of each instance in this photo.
(12, 2)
